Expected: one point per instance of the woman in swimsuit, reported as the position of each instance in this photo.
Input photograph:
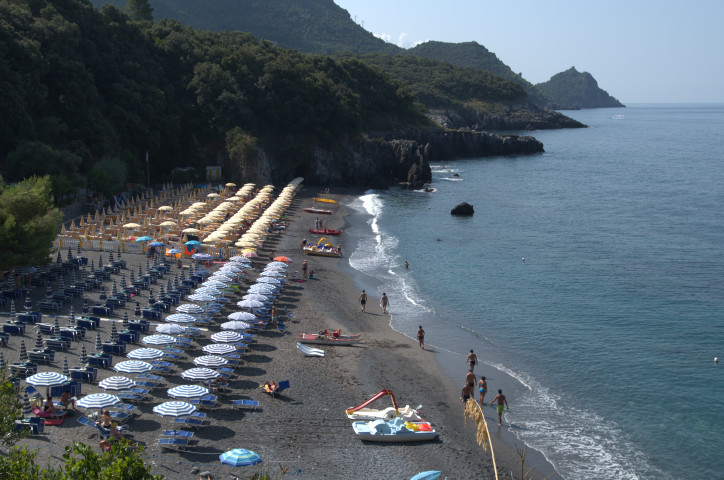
(482, 387)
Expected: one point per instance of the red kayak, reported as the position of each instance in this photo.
(320, 211)
(324, 231)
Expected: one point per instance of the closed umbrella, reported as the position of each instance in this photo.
(117, 383)
(28, 303)
(39, 342)
(27, 410)
(23, 354)
(2, 361)
(174, 409)
(145, 354)
(83, 359)
(133, 366)
(99, 344)
(239, 457)
(98, 400)
(200, 374)
(66, 370)
(211, 361)
(126, 323)
(114, 333)
(187, 391)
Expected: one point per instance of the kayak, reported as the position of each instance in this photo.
(324, 231)
(314, 338)
(325, 200)
(319, 211)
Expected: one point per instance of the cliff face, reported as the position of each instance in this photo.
(403, 158)
(522, 117)
(573, 89)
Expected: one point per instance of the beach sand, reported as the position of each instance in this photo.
(305, 429)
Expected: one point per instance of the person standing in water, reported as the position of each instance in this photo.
(384, 301)
(502, 403)
(421, 337)
(482, 387)
(363, 299)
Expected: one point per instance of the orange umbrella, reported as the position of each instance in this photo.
(283, 259)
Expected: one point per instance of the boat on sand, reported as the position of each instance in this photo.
(319, 211)
(324, 231)
(396, 430)
(325, 200)
(315, 338)
(363, 412)
(322, 248)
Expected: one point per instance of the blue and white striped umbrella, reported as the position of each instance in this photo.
(47, 379)
(273, 274)
(66, 369)
(190, 308)
(174, 409)
(145, 354)
(235, 325)
(239, 259)
(271, 280)
(201, 256)
(211, 361)
(170, 328)
(219, 349)
(200, 374)
(180, 318)
(249, 304)
(277, 264)
(117, 383)
(202, 297)
(83, 359)
(242, 316)
(133, 366)
(256, 296)
(227, 337)
(99, 400)
(99, 344)
(2, 361)
(215, 284)
(209, 291)
(187, 391)
(27, 410)
(220, 277)
(240, 457)
(263, 288)
(159, 340)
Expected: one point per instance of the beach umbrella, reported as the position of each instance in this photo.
(155, 244)
(47, 379)
(2, 361)
(189, 308)
(132, 277)
(180, 318)
(39, 342)
(58, 259)
(209, 291)
(218, 277)
(99, 344)
(137, 311)
(66, 370)
(170, 328)
(242, 316)
(187, 391)
(200, 374)
(77, 249)
(249, 254)
(23, 354)
(12, 308)
(83, 359)
(211, 361)
(173, 251)
(133, 366)
(231, 268)
(117, 383)
(283, 259)
(126, 323)
(272, 280)
(202, 297)
(201, 256)
(28, 303)
(246, 303)
(85, 305)
(99, 400)
(227, 337)
(258, 297)
(262, 287)
(159, 340)
(192, 243)
(174, 409)
(215, 284)
(277, 264)
(70, 254)
(235, 325)
(27, 410)
(114, 289)
(144, 239)
(145, 354)
(273, 273)
(151, 298)
(56, 325)
(428, 475)
(71, 315)
(239, 258)
(240, 457)
(114, 333)
(123, 281)
(219, 349)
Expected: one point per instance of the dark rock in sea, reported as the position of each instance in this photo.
(462, 209)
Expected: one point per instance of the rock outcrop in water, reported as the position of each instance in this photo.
(463, 208)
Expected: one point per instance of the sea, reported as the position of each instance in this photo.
(592, 275)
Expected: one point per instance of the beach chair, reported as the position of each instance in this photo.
(174, 443)
(121, 417)
(130, 397)
(207, 401)
(86, 422)
(240, 404)
(191, 422)
(103, 434)
(178, 434)
(291, 316)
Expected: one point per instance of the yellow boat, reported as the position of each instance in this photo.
(325, 200)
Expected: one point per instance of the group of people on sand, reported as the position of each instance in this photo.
(471, 380)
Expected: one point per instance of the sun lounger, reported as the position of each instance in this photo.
(121, 417)
(239, 404)
(130, 397)
(191, 422)
(207, 401)
(178, 434)
(32, 392)
(174, 443)
(87, 422)
(14, 329)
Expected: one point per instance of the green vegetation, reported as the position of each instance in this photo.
(28, 222)
(573, 89)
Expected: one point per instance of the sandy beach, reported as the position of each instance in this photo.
(304, 430)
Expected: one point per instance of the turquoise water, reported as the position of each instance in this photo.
(593, 274)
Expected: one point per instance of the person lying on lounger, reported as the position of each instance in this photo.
(270, 387)
(49, 406)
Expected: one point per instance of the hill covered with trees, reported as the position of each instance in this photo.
(573, 89)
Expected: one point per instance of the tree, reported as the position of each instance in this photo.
(28, 222)
(10, 408)
(139, 10)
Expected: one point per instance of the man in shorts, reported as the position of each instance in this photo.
(466, 394)
(472, 360)
(363, 299)
(502, 403)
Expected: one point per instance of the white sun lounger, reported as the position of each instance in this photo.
(310, 351)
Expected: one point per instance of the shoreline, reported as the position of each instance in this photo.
(305, 429)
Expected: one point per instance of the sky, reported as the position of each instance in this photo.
(639, 51)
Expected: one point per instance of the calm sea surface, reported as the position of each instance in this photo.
(611, 324)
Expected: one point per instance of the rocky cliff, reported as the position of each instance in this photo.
(521, 117)
(393, 158)
(573, 89)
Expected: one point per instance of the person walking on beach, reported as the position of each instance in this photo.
(384, 301)
(472, 360)
(482, 387)
(466, 394)
(304, 269)
(502, 403)
(363, 299)
(471, 379)
(421, 337)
